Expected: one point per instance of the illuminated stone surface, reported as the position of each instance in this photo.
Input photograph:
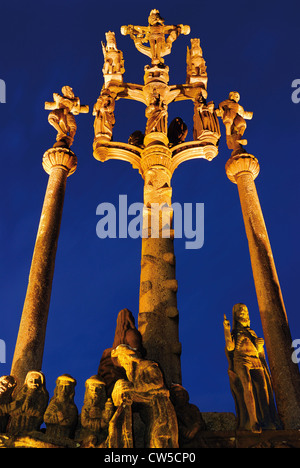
(242, 168)
(137, 398)
(156, 152)
(59, 162)
(249, 375)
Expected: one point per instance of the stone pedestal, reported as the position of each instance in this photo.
(59, 163)
(242, 169)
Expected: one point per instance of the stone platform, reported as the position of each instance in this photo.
(246, 439)
(209, 439)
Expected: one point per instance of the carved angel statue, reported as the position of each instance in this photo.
(249, 375)
(155, 33)
(63, 108)
(234, 118)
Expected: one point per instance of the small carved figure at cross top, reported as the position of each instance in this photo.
(155, 33)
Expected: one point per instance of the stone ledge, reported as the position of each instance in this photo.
(247, 439)
(219, 421)
(207, 439)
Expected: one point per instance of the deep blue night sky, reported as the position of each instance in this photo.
(249, 46)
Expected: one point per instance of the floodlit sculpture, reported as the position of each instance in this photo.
(144, 386)
(242, 169)
(113, 58)
(96, 413)
(7, 386)
(27, 408)
(196, 66)
(104, 115)
(138, 393)
(249, 375)
(155, 33)
(63, 108)
(234, 118)
(125, 333)
(61, 416)
(156, 151)
(59, 162)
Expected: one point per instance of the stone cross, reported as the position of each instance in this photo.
(156, 152)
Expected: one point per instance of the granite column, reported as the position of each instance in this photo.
(59, 163)
(158, 313)
(242, 169)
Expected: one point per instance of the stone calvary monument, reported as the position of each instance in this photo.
(136, 398)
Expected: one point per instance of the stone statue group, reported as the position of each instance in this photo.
(128, 400)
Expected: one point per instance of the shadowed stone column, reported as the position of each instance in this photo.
(242, 169)
(59, 163)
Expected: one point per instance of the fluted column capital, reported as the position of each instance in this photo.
(60, 157)
(239, 164)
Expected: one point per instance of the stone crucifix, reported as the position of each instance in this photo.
(156, 152)
(155, 33)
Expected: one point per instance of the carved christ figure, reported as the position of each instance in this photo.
(155, 33)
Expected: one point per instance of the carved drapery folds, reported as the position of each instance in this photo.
(144, 388)
(26, 410)
(61, 415)
(104, 116)
(96, 413)
(249, 376)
